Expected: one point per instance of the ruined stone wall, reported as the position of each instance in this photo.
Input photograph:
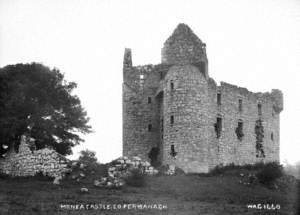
(141, 112)
(183, 47)
(212, 113)
(233, 150)
(190, 141)
(28, 163)
(193, 104)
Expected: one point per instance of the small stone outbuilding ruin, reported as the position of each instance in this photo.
(175, 113)
(27, 162)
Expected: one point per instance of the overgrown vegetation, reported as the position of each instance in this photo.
(88, 159)
(269, 173)
(86, 168)
(221, 169)
(264, 173)
(239, 132)
(136, 178)
(203, 195)
(259, 132)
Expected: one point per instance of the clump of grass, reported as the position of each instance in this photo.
(136, 178)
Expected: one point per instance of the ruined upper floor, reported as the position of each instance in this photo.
(183, 47)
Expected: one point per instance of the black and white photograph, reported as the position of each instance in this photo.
(150, 107)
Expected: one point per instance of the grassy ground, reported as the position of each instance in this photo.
(190, 194)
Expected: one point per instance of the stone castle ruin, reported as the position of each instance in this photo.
(174, 112)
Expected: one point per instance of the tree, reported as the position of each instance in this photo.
(37, 101)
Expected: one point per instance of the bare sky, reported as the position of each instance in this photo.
(250, 43)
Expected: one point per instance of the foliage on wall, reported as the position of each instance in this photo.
(239, 132)
(259, 131)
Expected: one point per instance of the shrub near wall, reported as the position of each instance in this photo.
(269, 173)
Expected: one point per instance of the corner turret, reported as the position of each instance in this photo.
(278, 100)
(127, 64)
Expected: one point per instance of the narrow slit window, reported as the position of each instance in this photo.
(172, 120)
(149, 127)
(149, 100)
(162, 125)
(272, 136)
(173, 153)
(218, 127)
(240, 105)
(202, 67)
(172, 85)
(259, 109)
(219, 98)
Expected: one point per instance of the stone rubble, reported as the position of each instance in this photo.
(247, 179)
(171, 170)
(121, 168)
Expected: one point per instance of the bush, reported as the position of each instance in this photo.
(136, 178)
(269, 173)
(222, 169)
(4, 176)
(88, 158)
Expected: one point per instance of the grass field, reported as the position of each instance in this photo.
(182, 194)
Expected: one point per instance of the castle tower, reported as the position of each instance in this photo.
(174, 113)
(184, 47)
(186, 102)
(140, 114)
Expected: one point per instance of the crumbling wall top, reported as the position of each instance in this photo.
(183, 47)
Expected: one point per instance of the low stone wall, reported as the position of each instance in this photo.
(28, 163)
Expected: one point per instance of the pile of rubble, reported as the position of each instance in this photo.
(171, 170)
(122, 168)
(247, 179)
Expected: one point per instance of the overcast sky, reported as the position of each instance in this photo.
(250, 43)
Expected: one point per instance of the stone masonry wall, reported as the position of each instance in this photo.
(183, 47)
(28, 163)
(180, 88)
(233, 150)
(140, 111)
